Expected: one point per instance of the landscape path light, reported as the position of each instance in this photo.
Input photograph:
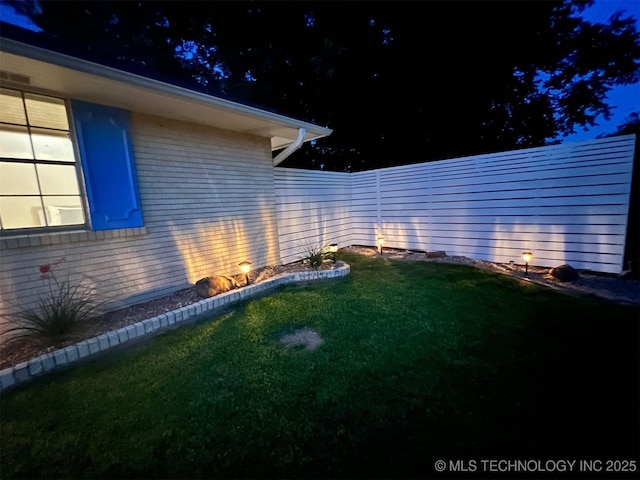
(380, 242)
(526, 256)
(245, 267)
(333, 249)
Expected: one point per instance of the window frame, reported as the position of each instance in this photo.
(77, 163)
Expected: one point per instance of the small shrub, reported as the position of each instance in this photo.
(60, 313)
(315, 254)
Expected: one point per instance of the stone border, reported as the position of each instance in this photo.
(25, 371)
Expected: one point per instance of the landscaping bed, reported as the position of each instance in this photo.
(19, 351)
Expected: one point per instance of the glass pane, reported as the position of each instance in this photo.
(14, 142)
(50, 145)
(18, 179)
(21, 212)
(46, 112)
(58, 179)
(11, 107)
(64, 210)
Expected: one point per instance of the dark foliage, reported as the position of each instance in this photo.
(399, 82)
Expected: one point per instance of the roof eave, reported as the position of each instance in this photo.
(122, 89)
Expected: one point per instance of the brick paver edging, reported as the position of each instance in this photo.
(23, 372)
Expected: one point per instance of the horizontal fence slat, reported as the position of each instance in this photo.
(568, 203)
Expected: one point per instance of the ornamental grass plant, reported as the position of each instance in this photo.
(420, 362)
(61, 311)
(315, 254)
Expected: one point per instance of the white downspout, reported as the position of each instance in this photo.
(290, 149)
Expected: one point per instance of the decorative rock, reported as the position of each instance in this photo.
(211, 286)
(438, 254)
(565, 273)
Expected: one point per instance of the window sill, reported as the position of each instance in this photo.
(74, 236)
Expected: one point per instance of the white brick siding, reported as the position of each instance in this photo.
(208, 203)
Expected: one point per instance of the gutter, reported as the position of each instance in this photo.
(290, 149)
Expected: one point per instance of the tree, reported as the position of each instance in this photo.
(564, 84)
(630, 125)
(399, 82)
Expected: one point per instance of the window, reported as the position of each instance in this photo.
(39, 171)
(39, 184)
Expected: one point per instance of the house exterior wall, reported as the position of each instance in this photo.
(208, 203)
(313, 209)
(565, 203)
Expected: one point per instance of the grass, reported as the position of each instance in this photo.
(421, 361)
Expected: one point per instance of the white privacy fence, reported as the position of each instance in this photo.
(313, 208)
(565, 203)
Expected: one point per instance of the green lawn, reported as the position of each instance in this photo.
(421, 361)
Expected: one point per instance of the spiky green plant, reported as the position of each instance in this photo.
(315, 254)
(60, 312)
